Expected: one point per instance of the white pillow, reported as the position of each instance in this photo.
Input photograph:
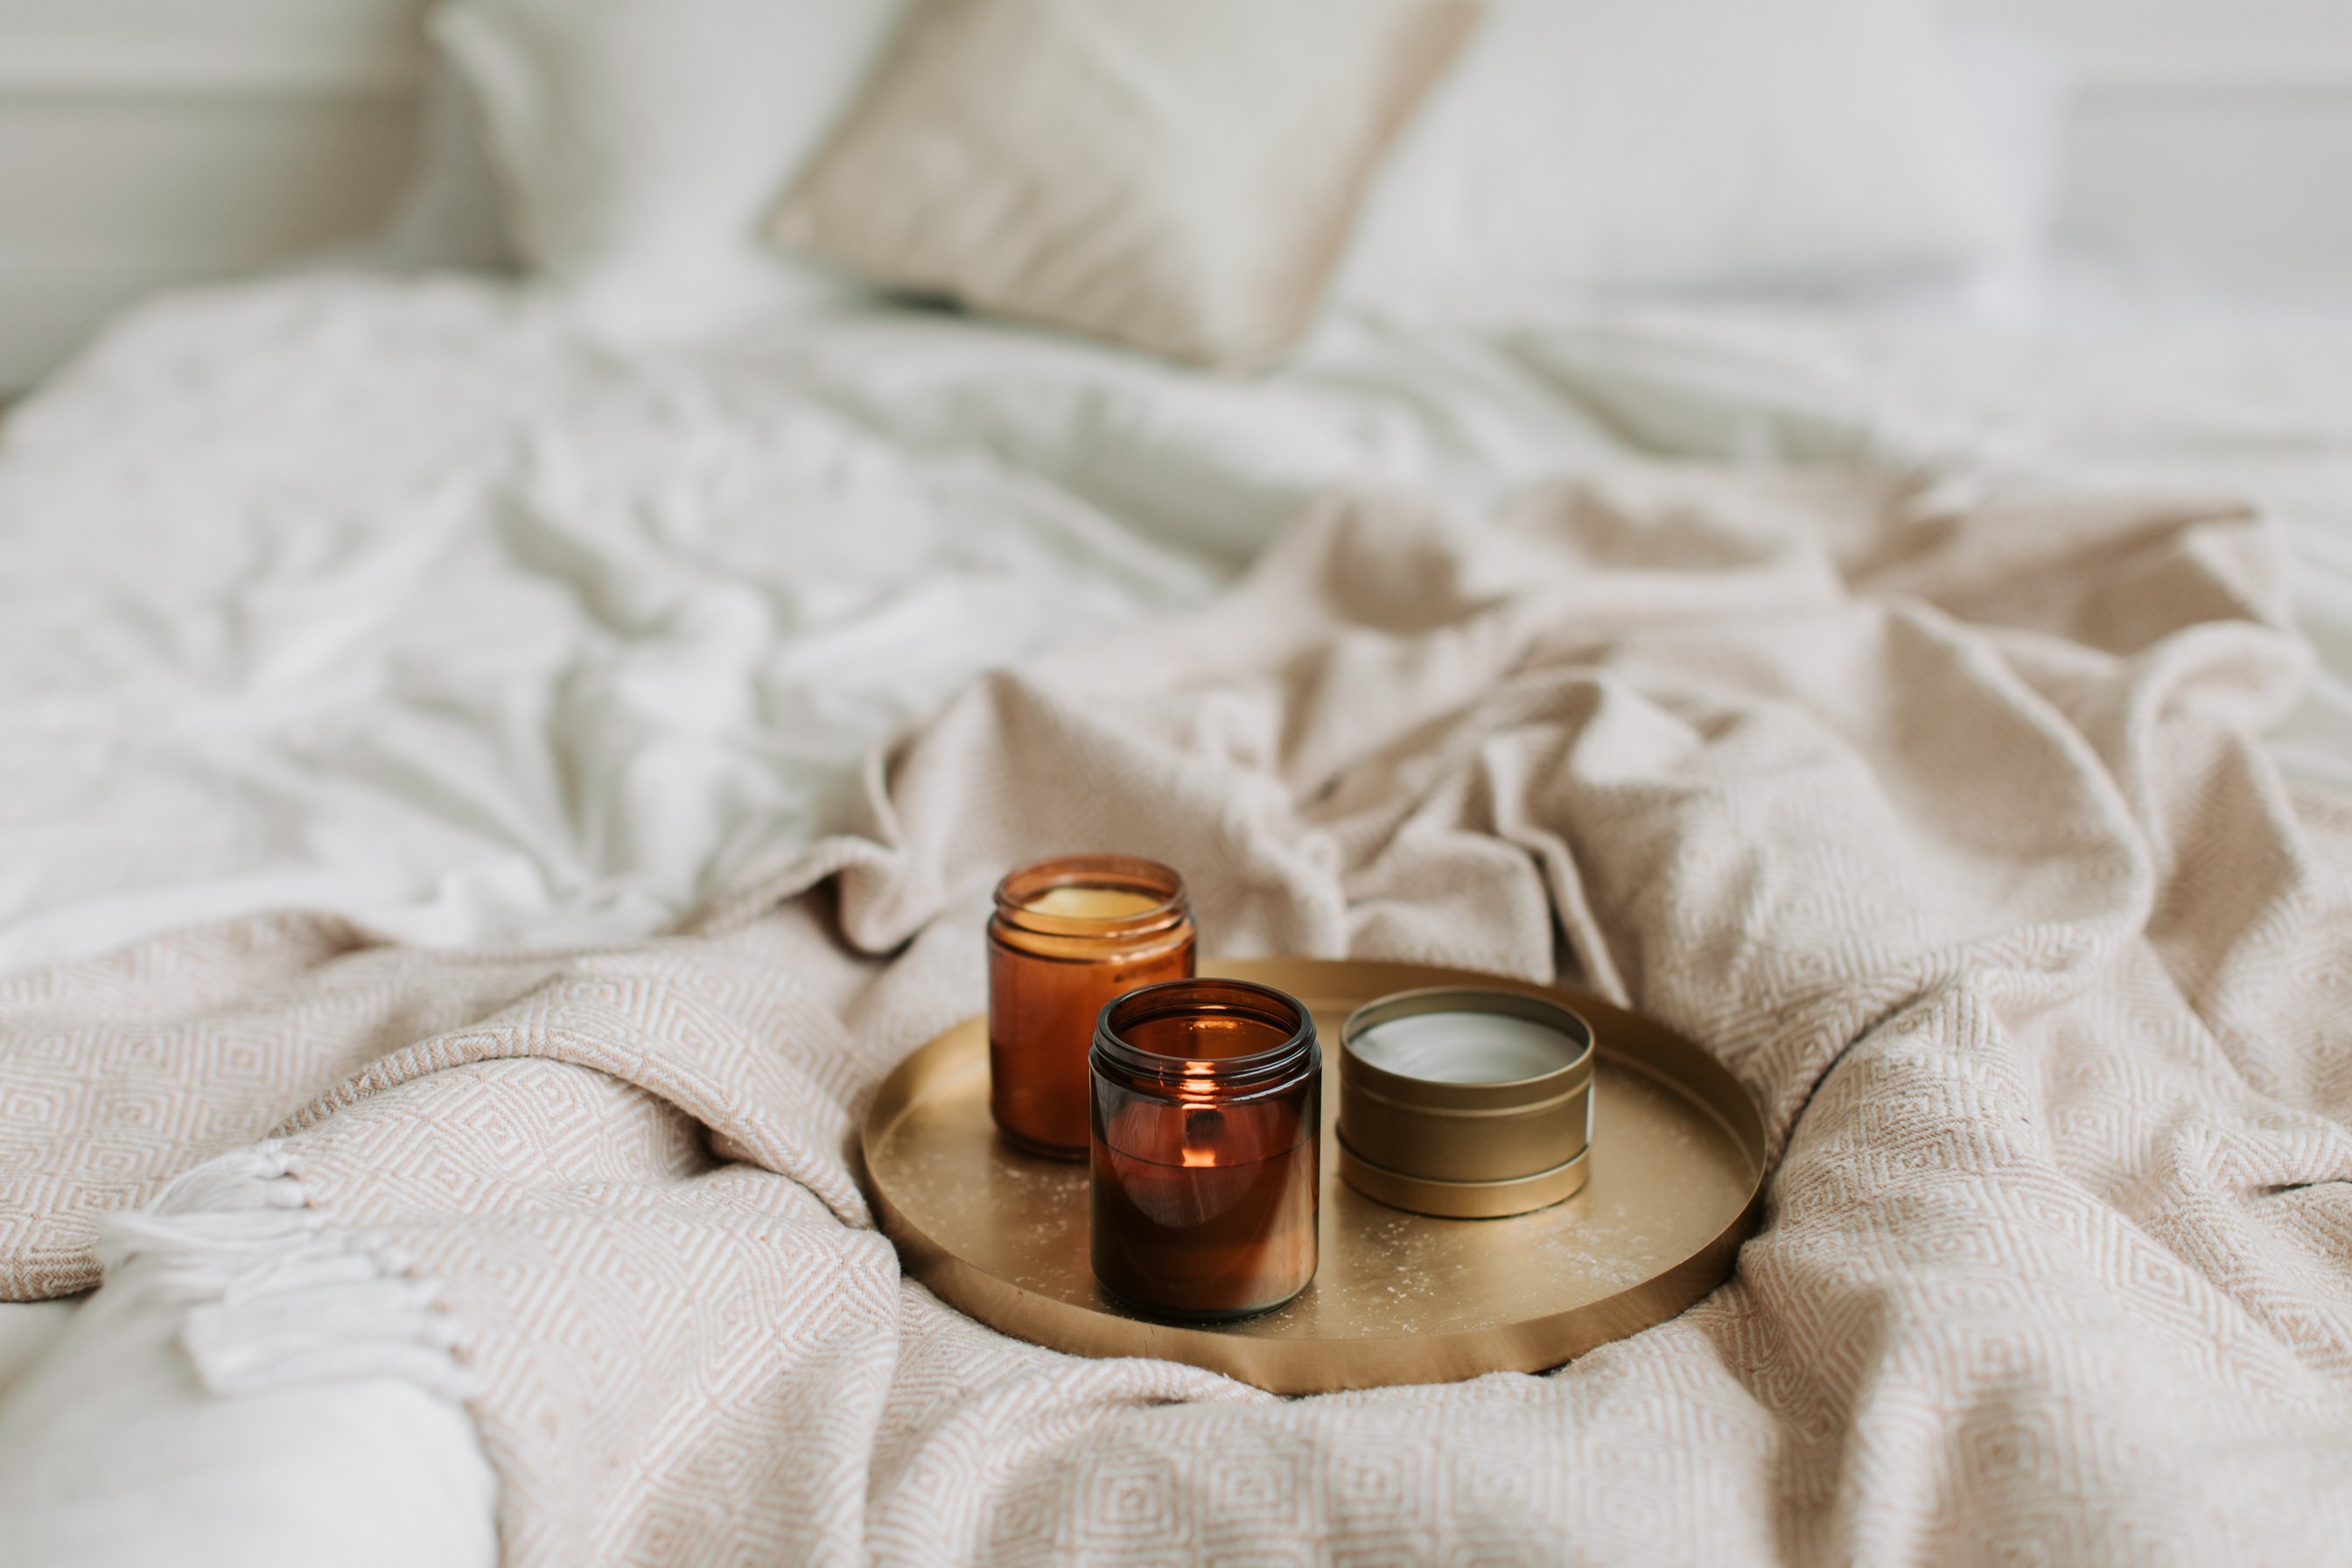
(1584, 144)
(113, 1456)
(1177, 174)
(643, 143)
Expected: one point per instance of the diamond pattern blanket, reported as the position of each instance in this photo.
(1948, 830)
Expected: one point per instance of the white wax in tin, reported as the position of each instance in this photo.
(1467, 1048)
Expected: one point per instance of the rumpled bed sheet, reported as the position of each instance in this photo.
(1948, 831)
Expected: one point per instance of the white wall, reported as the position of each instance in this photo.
(143, 142)
(2214, 135)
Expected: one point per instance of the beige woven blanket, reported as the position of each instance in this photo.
(1949, 832)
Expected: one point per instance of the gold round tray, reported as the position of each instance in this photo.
(1677, 1181)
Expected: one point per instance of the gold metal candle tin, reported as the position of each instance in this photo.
(1488, 1116)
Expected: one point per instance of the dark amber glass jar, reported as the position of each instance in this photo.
(1208, 1121)
(1068, 935)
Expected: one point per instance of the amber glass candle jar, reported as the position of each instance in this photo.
(1207, 1147)
(1068, 935)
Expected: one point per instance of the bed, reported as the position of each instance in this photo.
(1949, 724)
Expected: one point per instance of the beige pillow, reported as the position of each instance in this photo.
(1177, 174)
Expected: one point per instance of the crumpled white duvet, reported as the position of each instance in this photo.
(399, 598)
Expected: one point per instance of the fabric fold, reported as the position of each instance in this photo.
(1948, 831)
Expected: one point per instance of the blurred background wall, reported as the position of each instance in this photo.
(148, 142)
(145, 142)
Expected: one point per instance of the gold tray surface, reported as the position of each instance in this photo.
(1676, 1185)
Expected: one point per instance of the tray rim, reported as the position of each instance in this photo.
(1288, 1366)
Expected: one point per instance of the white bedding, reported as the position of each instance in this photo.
(394, 598)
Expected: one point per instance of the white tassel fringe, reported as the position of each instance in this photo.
(277, 1297)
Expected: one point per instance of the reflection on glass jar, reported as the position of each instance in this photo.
(1068, 935)
(1207, 1149)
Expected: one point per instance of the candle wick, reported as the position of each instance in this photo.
(1203, 1127)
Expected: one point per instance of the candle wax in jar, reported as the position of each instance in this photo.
(1067, 936)
(1073, 901)
(1207, 1211)
(1205, 1202)
(1465, 1048)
